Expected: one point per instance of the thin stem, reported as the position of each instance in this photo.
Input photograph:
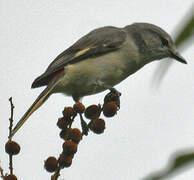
(70, 124)
(56, 175)
(10, 130)
(84, 125)
(11, 118)
(11, 164)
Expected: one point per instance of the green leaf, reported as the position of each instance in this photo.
(177, 163)
(186, 32)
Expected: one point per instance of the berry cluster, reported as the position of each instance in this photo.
(72, 136)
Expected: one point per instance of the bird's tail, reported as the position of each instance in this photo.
(37, 103)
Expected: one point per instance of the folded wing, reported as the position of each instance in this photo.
(95, 43)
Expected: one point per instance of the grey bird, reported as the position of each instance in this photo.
(100, 60)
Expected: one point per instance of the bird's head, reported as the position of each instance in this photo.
(154, 43)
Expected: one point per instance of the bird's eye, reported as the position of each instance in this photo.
(164, 42)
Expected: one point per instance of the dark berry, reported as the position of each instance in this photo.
(110, 109)
(65, 161)
(79, 107)
(92, 112)
(97, 126)
(10, 177)
(50, 164)
(62, 123)
(75, 135)
(68, 112)
(111, 96)
(63, 134)
(12, 148)
(69, 147)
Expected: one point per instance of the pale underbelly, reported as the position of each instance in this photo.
(95, 75)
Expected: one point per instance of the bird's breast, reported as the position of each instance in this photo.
(93, 75)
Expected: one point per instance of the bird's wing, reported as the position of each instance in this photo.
(95, 43)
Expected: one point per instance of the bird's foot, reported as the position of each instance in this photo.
(113, 90)
(105, 86)
(114, 96)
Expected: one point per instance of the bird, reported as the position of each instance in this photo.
(100, 60)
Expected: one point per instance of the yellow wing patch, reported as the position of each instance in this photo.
(83, 51)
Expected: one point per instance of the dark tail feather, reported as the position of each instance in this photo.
(38, 102)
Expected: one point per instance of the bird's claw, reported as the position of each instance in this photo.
(113, 90)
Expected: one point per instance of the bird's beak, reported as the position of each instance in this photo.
(175, 55)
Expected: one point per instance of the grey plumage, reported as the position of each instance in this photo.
(99, 41)
(102, 59)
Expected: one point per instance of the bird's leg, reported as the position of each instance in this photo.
(113, 95)
(112, 89)
(76, 97)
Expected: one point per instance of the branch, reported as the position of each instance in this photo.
(11, 118)
(56, 175)
(10, 130)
